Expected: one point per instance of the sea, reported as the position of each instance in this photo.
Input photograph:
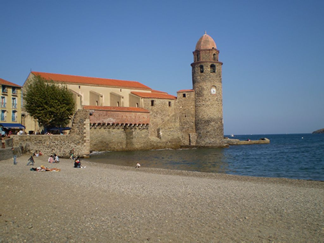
(294, 156)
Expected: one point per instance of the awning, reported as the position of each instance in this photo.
(12, 125)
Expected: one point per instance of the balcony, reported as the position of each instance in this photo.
(3, 105)
(14, 106)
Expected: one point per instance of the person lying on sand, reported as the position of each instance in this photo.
(43, 168)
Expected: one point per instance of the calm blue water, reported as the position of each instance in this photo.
(297, 156)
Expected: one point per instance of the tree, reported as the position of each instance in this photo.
(52, 105)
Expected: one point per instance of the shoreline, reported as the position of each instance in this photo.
(105, 202)
(211, 175)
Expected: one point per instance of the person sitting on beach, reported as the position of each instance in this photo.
(50, 159)
(57, 160)
(77, 162)
(31, 160)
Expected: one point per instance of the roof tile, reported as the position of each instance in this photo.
(5, 82)
(185, 90)
(115, 108)
(156, 95)
(92, 81)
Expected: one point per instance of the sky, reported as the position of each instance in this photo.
(272, 51)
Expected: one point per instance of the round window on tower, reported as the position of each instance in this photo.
(213, 90)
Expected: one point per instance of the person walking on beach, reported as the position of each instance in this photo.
(31, 160)
(72, 154)
(14, 153)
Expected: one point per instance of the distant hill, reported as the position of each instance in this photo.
(319, 131)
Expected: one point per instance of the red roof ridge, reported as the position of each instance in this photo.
(91, 80)
(185, 90)
(158, 91)
(156, 95)
(5, 82)
(115, 108)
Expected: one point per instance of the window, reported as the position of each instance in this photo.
(184, 95)
(4, 89)
(201, 68)
(3, 102)
(14, 116)
(198, 57)
(213, 68)
(3, 115)
(14, 103)
(136, 105)
(169, 103)
(152, 102)
(118, 103)
(214, 57)
(14, 90)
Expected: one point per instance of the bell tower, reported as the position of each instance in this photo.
(207, 84)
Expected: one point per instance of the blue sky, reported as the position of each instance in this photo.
(273, 51)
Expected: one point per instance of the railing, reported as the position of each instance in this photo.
(14, 105)
(3, 105)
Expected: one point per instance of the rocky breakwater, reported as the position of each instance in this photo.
(230, 141)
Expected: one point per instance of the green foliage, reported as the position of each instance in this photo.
(52, 105)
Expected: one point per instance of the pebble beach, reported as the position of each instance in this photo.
(109, 203)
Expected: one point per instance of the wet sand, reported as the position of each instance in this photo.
(107, 203)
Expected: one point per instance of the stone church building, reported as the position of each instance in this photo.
(127, 115)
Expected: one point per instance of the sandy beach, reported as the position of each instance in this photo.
(107, 203)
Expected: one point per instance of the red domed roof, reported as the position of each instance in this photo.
(205, 42)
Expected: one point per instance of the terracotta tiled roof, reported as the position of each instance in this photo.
(156, 95)
(186, 90)
(158, 91)
(92, 81)
(115, 108)
(5, 82)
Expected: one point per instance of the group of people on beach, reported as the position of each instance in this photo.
(53, 159)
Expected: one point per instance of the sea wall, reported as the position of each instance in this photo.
(78, 139)
(133, 130)
(49, 144)
(121, 138)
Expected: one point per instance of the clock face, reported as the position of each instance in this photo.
(213, 90)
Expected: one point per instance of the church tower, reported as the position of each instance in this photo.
(207, 84)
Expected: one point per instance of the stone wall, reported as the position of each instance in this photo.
(131, 130)
(186, 112)
(78, 139)
(120, 117)
(119, 138)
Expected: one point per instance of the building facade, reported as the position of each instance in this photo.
(10, 110)
(131, 115)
